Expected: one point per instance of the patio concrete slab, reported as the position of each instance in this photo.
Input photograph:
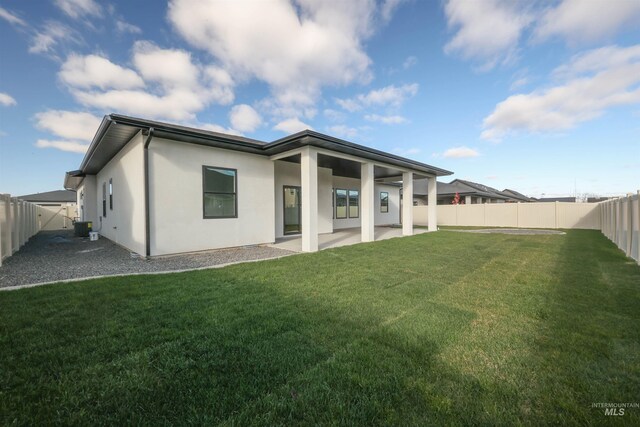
(344, 237)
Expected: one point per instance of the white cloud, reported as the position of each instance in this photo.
(334, 115)
(592, 85)
(51, 35)
(68, 124)
(488, 31)
(587, 21)
(409, 62)
(391, 95)
(125, 27)
(295, 47)
(7, 100)
(89, 71)
(70, 146)
(389, 7)
(460, 152)
(79, 8)
(292, 125)
(175, 86)
(387, 120)
(11, 17)
(217, 128)
(244, 118)
(343, 131)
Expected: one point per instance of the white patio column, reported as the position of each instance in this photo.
(407, 204)
(309, 189)
(367, 202)
(479, 200)
(432, 209)
(467, 200)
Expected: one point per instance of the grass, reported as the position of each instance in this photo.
(441, 328)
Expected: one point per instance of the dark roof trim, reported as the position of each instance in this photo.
(237, 143)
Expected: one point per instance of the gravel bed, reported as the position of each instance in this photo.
(522, 231)
(58, 255)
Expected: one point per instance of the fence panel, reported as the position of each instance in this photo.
(621, 223)
(18, 223)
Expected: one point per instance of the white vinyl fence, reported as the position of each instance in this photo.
(18, 223)
(621, 223)
(517, 215)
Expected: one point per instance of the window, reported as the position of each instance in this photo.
(104, 199)
(384, 202)
(110, 194)
(341, 203)
(354, 203)
(220, 189)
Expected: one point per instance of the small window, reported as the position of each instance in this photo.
(341, 203)
(384, 202)
(354, 203)
(220, 189)
(104, 199)
(111, 194)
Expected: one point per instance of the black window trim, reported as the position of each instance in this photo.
(346, 215)
(104, 199)
(349, 203)
(235, 192)
(110, 194)
(387, 205)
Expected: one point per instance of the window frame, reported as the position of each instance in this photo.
(110, 194)
(104, 199)
(235, 192)
(349, 203)
(346, 214)
(387, 204)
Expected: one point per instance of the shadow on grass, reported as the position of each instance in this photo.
(588, 343)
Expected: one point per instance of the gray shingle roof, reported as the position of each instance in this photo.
(50, 196)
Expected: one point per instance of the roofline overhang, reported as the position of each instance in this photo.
(238, 143)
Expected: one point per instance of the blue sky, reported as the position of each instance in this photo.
(540, 97)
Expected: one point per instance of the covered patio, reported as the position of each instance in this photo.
(344, 237)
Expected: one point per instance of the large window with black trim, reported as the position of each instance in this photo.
(110, 194)
(384, 202)
(104, 199)
(220, 192)
(354, 203)
(341, 203)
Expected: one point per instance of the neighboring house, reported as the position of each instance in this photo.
(598, 199)
(469, 192)
(157, 188)
(59, 208)
(517, 197)
(557, 199)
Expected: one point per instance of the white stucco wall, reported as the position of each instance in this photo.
(287, 173)
(393, 216)
(125, 223)
(176, 199)
(87, 203)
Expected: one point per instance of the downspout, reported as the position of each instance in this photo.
(147, 223)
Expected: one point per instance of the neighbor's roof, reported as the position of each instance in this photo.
(557, 199)
(116, 131)
(463, 188)
(519, 196)
(65, 196)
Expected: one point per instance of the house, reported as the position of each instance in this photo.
(157, 188)
(517, 197)
(558, 199)
(59, 208)
(469, 192)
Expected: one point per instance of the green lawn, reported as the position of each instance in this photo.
(441, 328)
